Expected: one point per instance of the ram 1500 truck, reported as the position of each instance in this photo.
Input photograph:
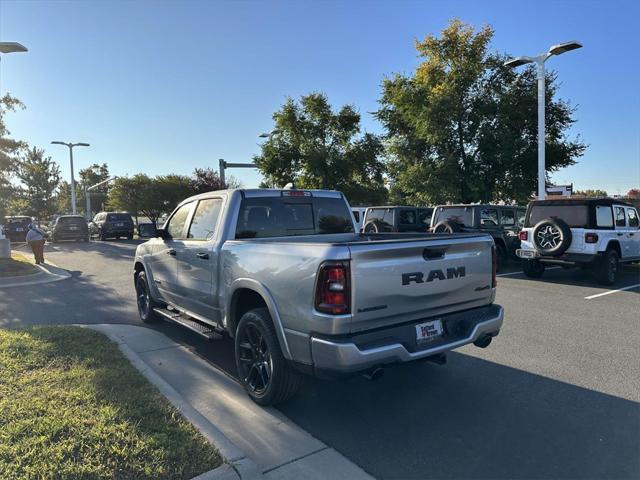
(285, 275)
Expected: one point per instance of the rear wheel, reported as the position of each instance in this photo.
(264, 372)
(533, 268)
(145, 301)
(607, 268)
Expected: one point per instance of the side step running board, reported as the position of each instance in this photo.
(200, 328)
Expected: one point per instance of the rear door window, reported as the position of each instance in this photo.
(633, 217)
(621, 220)
(508, 217)
(488, 217)
(383, 217)
(407, 217)
(205, 219)
(461, 215)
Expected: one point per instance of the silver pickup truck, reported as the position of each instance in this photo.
(284, 274)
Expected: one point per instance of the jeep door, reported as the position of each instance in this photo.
(197, 258)
(163, 260)
(623, 231)
(633, 222)
(510, 228)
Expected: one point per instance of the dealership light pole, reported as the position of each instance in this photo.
(73, 181)
(539, 61)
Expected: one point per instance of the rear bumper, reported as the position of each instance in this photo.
(70, 234)
(564, 259)
(346, 356)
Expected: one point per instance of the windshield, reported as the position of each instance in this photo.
(286, 216)
(461, 215)
(576, 216)
(119, 217)
(18, 221)
(71, 221)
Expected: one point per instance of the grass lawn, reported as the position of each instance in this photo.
(72, 406)
(16, 266)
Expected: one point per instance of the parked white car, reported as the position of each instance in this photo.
(597, 234)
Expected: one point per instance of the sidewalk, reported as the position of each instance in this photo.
(48, 273)
(261, 440)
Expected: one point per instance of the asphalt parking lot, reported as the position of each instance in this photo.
(556, 395)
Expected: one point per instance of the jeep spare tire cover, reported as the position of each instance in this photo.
(371, 227)
(446, 226)
(551, 236)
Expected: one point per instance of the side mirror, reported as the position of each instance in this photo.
(162, 233)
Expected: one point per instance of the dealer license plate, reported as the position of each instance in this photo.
(527, 253)
(73, 228)
(119, 224)
(19, 229)
(428, 331)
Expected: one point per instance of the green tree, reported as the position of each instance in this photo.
(151, 197)
(591, 193)
(316, 147)
(10, 150)
(40, 178)
(463, 128)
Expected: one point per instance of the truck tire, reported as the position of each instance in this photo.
(551, 236)
(145, 301)
(607, 268)
(446, 226)
(262, 369)
(532, 268)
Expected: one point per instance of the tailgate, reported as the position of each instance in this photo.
(396, 282)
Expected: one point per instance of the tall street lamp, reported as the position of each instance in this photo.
(539, 61)
(73, 181)
(11, 47)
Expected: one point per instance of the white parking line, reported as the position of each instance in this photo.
(516, 273)
(612, 291)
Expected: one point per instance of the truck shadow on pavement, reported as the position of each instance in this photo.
(469, 419)
(472, 419)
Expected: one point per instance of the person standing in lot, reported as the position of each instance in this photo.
(35, 239)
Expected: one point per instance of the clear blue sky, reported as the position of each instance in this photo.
(167, 86)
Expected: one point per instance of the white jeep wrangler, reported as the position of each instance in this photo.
(598, 234)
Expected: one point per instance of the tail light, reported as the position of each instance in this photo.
(591, 238)
(333, 289)
(494, 266)
(523, 235)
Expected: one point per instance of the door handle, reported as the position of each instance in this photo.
(631, 234)
(171, 252)
(202, 255)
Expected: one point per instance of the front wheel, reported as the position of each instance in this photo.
(533, 268)
(145, 301)
(607, 268)
(264, 372)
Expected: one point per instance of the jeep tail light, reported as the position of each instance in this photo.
(494, 266)
(591, 238)
(523, 235)
(333, 290)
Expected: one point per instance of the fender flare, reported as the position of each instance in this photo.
(263, 291)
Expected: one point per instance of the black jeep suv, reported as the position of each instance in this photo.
(502, 222)
(112, 225)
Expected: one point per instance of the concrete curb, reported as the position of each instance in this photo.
(48, 273)
(238, 465)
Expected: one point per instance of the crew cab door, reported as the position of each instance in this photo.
(198, 261)
(163, 260)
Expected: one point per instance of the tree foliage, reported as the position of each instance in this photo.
(591, 193)
(316, 147)
(10, 150)
(149, 196)
(39, 177)
(463, 128)
(207, 180)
